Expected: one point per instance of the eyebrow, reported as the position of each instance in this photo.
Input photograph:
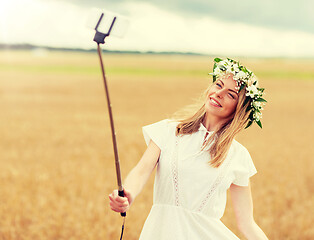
(229, 88)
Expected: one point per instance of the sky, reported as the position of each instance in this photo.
(265, 28)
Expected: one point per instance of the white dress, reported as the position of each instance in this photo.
(189, 195)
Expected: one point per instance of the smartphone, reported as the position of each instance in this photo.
(101, 20)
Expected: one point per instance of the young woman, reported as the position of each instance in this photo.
(198, 160)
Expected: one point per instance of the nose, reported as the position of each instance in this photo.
(219, 93)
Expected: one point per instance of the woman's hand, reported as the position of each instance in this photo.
(120, 204)
(136, 179)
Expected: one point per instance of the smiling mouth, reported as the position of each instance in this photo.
(214, 102)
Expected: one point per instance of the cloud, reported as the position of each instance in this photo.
(60, 24)
(279, 14)
(48, 23)
(162, 30)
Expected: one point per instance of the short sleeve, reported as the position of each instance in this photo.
(245, 169)
(157, 132)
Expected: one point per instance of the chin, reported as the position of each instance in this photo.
(212, 110)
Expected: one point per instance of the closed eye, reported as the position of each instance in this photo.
(218, 85)
(231, 95)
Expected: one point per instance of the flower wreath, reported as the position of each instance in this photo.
(244, 79)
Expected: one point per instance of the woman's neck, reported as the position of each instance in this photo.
(212, 123)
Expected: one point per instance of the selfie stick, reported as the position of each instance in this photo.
(100, 39)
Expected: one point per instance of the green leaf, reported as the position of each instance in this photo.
(248, 109)
(231, 60)
(217, 59)
(241, 87)
(249, 124)
(260, 100)
(215, 65)
(259, 123)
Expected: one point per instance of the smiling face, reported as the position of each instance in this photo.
(222, 98)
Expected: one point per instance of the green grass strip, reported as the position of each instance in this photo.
(90, 70)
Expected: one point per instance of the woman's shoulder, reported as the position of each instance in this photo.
(171, 122)
(167, 122)
(163, 126)
(241, 156)
(239, 148)
(160, 132)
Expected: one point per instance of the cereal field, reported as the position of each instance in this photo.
(57, 164)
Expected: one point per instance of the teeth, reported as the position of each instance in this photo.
(213, 101)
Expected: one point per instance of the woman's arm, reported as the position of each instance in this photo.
(136, 179)
(241, 198)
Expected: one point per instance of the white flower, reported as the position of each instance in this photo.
(250, 82)
(257, 116)
(229, 69)
(224, 62)
(235, 77)
(217, 71)
(251, 91)
(235, 68)
(260, 93)
(254, 80)
(241, 75)
(257, 105)
(221, 67)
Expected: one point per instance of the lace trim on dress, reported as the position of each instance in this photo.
(217, 182)
(175, 173)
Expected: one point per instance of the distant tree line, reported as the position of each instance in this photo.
(34, 47)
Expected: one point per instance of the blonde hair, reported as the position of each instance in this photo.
(221, 139)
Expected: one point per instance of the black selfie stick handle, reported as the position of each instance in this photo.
(121, 194)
